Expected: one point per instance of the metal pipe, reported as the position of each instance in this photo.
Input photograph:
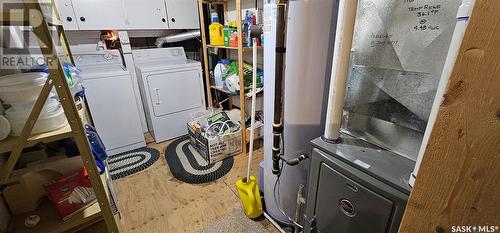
(177, 37)
(278, 88)
(464, 12)
(340, 68)
(298, 209)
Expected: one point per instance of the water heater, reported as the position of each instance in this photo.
(309, 45)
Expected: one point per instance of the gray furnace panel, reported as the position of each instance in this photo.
(355, 187)
(349, 204)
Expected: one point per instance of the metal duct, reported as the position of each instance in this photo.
(177, 37)
(399, 50)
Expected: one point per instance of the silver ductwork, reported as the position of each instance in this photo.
(397, 57)
(177, 37)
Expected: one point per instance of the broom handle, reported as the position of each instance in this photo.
(254, 99)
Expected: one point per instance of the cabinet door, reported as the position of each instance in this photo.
(99, 14)
(145, 14)
(67, 15)
(182, 14)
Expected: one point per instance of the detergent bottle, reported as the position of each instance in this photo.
(216, 31)
(220, 71)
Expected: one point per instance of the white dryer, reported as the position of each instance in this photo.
(171, 88)
(110, 95)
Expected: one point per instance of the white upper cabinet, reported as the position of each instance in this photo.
(128, 14)
(145, 14)
(182, 14)
(68, 17)
(99, 14)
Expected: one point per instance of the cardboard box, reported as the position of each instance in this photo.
(257, 133)
(218, 148)
(72, 194)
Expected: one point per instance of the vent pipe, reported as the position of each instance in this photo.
(340, 68)
(464, 12)
(177, 37)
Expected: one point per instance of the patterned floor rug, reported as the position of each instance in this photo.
(131, 162)
(187, 165)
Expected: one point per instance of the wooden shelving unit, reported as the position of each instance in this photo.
(42, 25)
(52, 223)
(9, 143)
(245, 49)
(240, 50)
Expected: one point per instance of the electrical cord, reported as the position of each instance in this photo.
(276, 195)
(222, 128)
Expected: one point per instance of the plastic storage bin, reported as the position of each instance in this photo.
(51, 117)
(21, 88)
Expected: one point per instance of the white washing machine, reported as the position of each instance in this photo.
(171, 88)
(110, 95)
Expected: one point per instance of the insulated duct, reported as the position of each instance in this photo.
(177, 37)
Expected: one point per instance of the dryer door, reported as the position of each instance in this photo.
(175, 91)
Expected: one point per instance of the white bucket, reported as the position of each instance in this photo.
(51, 117)
(21, 88)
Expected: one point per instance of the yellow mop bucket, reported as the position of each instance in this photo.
(247, 187)
(250, 197)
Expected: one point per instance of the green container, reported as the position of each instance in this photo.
(227, 35)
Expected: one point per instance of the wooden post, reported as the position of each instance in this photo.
(458, 183)
(242, 80)
(205, 52)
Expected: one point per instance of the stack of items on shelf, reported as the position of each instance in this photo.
(63, 180)
(18, 93)
(216, 134)
(250, 20)
(226, 76)
(228, 35)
